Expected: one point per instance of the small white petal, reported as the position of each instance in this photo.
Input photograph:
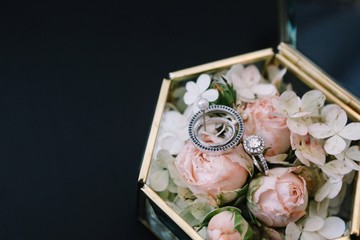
(203, 82)
(192, 87)
(211, 95)
(176, 146)
(334, 227)
(351, 131)
(297, 126)
(251, 75)
(326, 109)
(159, 180)
(275, 74)
(292, 232)
(353, 153)
(320, 130)
(336, 119)
(323, 192)
(335, 189)
(352, 165)
(262, 90)
(335, 145)
(289, 102)
(190, 98)
(313, 224)
(312, 100)
(245, 94)
(310, 236)
(234, 72)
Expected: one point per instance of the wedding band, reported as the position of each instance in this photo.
(224, 115)
(255, 146)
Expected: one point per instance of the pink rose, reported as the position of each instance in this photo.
(209, 175)
(278, 198)
(263, 121)
(228, 224)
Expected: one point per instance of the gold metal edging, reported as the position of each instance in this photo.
(244, 58)
(355, 221)
(154, 130)
(315, 72)
(171, 213)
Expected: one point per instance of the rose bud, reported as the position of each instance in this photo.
(218, 178)
(261, 119)
(228, 224)
(278, 198)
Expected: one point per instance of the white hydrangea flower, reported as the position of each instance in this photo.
(329, 190)
(299, 111)
(246, 82)
(163, 176)
(335, 129)
(173, 131)
(308, 149)
(317, 225)
(195, 91)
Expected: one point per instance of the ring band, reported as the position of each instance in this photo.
(236, 126)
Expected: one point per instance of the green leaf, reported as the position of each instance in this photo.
(227, 95)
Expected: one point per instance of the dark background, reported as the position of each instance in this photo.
(78, 87)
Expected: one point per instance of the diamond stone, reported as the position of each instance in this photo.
(254, 142)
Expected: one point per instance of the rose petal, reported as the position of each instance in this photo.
(312, 100)
(292, 232)
(289, 102)
(335, 145)
(351, 131)
(334, 227)
(211, 95)
(336, 119)
(313, 224)
(320, 130)
(353, 153)
(203, 82)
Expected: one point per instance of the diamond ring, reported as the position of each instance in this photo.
(255, 146)
(222, 117)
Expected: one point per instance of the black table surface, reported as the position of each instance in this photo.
(78, 87)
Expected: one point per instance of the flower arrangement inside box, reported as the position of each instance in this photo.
(257, 146)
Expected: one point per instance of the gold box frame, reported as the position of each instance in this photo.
(294, 61)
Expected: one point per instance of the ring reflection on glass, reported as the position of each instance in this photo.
(222, 117)
(255, 146)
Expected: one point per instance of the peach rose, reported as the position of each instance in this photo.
(228, 225)
(278, 198)
(262, 120)
(209, 175)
